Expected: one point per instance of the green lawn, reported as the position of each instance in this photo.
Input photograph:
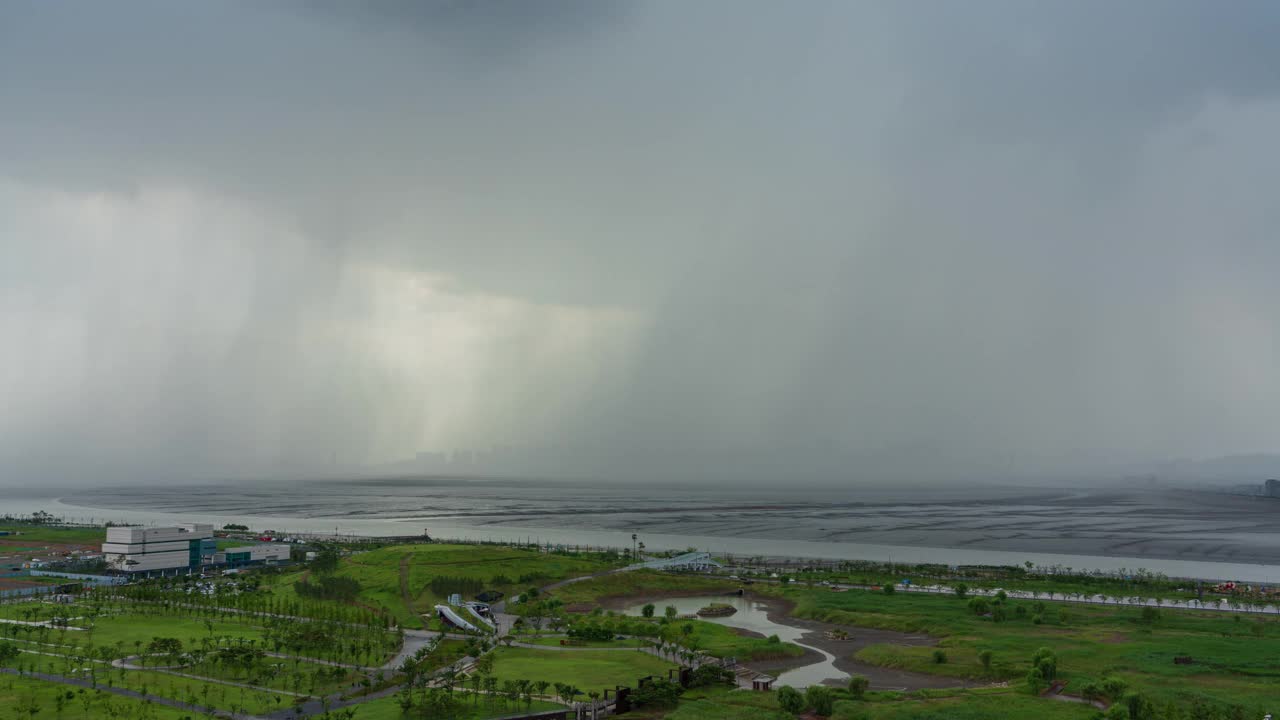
(124, 629)
(585, 669)
(161, 684)
(18, 694)
(640, 583)
(1234, 659)
(728, 704)
(555, 642)
(966, 707)
(44, 534)
(470, 708)
(287, 674)
(723, 641)
(508, 570)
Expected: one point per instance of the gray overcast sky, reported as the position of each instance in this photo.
(852, 239)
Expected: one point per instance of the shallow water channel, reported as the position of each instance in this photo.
(753, 615)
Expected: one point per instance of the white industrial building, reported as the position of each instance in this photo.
(252, 554)
(138, 549)
(179, 548)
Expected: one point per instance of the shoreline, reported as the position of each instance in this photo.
(797, 550)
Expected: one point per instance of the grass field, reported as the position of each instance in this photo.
(722, 641)
(19, 694)
(555, 642)
(471, 708)
(44, 534)
(1233, 658)
(161, 684)
(727, 704)
(507, 570)
(969, 707)
(639, 583)
(585, 669)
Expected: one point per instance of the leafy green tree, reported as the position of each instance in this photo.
(819, 699)
(961, 590)
(985, 658)
(1114, 687)
(170, 648)
(1036, 683)
(647, 610)
(1117, 712)
(939, 657)
(657, 693)
(1140, 708)
(1046, 662)
(858, 686)
(790, 700)
(326, 561)
(710, 674)
(8, 651)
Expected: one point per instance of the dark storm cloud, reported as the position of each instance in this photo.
(829, 239)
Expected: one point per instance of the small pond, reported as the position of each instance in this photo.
(754, 616)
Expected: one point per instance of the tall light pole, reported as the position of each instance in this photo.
(633, 547)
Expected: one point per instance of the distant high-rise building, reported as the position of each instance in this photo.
(1271, 488)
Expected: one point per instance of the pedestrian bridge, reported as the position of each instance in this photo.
(698, 561)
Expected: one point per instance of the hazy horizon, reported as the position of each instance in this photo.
(865, 242)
